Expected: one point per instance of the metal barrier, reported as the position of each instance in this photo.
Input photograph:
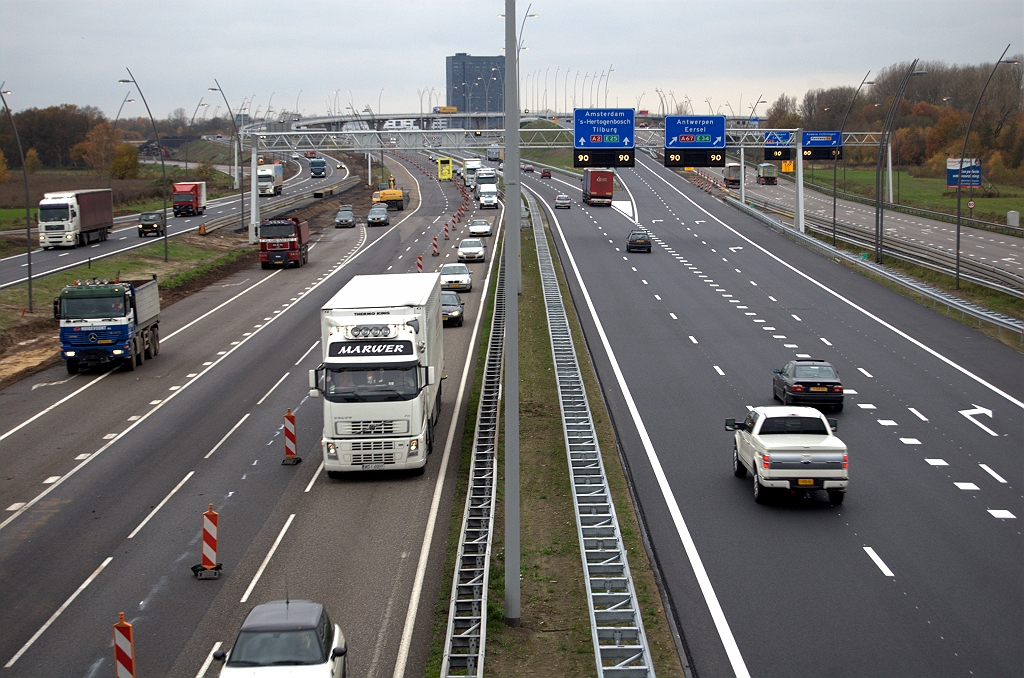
(285, 203)
(467, 612)
(620, 644)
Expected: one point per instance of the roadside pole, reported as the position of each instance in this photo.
(254, 193)
(743, 175)
(799, 220)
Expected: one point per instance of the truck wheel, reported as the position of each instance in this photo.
(129, 362)
(335, 475)
(139, 349)
(836, 497)
(760, 492)
(72, 365)
(264, 265)
(738, 469)
(147, 341)
(154, 339)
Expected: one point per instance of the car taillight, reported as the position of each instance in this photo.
(797, 388)
(766, 460)
(846, 460)
(837, 389)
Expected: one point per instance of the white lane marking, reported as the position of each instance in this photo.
(266, 561)
(15, 506)
(825, 341)
(732, 650)
(970, 487)
(226, 436)
(428, 533)
(673, 316)
(161, 504)
(849, 391)
(865, 406)
(315, 344)
(853, 305)
(209, 660)
(56, 614)
(878, 561)
(992, 473)
(796, 317)
(658, 297)
(865, 372)
(794, 346)
(915, 413)
(910, 441)
(970, 414)
(803, 355)
(937, 462)
(1001, 513)
(319, 470)
(693, 339)
(719, 370)
(51, 480)
(267, 394)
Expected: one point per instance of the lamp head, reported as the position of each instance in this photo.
(124, 82)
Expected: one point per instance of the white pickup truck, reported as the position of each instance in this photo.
(791, 448)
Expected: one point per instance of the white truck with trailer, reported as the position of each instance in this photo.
(469, 168)
(270, 179)
(75, 218)
(383, 359)
(790, 448)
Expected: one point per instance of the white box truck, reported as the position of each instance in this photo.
(469, 168)
(270, 179)
(383, 359)
(488, 196)
(73, 218)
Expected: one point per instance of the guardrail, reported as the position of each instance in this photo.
(616, 624)
(914, 287)
(283, 204)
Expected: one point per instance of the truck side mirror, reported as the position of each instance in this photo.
(56, 308)
(314, 392)
(833, 424)
(730, 424)
(431, 375)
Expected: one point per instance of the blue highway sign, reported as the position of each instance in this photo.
(603, 128)
(695, 131)
(777, 138)
(822, 139)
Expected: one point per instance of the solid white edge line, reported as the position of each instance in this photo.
(267, 394)
(732, 650)
(869, 314)
(266, 561)
(161, 504)
(315, 344)
(878, 561)
(428, 533)
(226, 436)
(992, 473)
(319, 470)
(50, 488)
(53, 617)
(209, 660)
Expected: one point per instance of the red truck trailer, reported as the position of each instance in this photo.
(597, 186)
(189, 199)
(284, 241)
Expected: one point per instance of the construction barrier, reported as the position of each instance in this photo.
(433, 244)
(209, 568)
(124, 649)
(289, 440)
(446, 230)
(419, 263)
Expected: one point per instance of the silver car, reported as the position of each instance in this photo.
(471, 249)
(456, 277)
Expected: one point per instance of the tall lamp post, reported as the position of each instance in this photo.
(238, 140)
(28, 209)
(159, 149)
(188, 137)
(606, 81)
(960, 173)
(113, 128)
(883, 143)
(835, 158)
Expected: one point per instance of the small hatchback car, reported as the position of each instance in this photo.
(545, 173)
(638, 241)
(562, 201)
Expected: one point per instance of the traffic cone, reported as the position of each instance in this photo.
(289, 440)
(209, 568)
(202, 229)
(124, 648)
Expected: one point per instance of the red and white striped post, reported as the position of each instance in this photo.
(433, 245)
(124, 648)
(209, 568)
(289, 440)
(419, 263)
(446, 230)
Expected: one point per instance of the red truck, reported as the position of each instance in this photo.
(310, 154)
(284, 241)
(597, 186)
(189, 199)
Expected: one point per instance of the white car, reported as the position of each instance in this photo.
(562, 201)
(456, 277)
(471, 249)
(480, 227)
(286, 638)
(296, 156)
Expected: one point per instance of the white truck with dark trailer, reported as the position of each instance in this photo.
(75, 218)
(383, 360)
(789, 448)
(270, 179)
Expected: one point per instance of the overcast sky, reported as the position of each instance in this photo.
(75, 51)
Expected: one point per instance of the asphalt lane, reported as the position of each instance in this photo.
(799, 593)
(201, 424)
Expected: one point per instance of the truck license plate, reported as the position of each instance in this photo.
(805, 481)
(373, 467)
(819, 388)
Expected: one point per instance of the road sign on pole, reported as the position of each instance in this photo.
(822, 139)
(777, 138)
(694, 131)
(603, 128)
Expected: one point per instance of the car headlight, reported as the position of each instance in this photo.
(455, 312)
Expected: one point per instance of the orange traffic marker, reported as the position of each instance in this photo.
(124, 648)
(209, 568)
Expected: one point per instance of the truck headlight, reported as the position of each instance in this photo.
(414, 448)
(42, 238)
(68, 236)
(332, 451)
(117, 351)
(69, 354)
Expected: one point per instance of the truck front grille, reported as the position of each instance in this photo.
(371, 445)
(374, 458)
(371, 427)
(54, 227)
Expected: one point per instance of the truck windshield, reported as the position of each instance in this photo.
(53, 213)
(277, 231)
(794, 426)
(183, 197)
(92, 307)
(359, 384)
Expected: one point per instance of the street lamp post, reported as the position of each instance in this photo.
(113, 138)
(565, 92)
(28, 209)
(574, 81)
(835, 158)
(963, 151)
(238, 140)
(159, 150)
(606, 81)
(188, 137)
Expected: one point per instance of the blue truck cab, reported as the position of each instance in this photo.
(103, 322)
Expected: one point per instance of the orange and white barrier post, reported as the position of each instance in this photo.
(289, 440)
(209, 568)
(433, 244)
(419, 263)
(124, 649)
(446, 230)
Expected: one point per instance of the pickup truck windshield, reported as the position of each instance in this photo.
(92, 307)
(794, 426)
(370, 385)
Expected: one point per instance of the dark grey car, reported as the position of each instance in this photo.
(808, 382)
(345, 218)
(452, 308)
(378, 215)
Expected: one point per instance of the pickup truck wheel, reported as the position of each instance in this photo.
(835, 497)
(760, 492)
(72, 365)
(738, 469)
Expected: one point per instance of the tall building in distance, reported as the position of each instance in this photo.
(475, 84)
